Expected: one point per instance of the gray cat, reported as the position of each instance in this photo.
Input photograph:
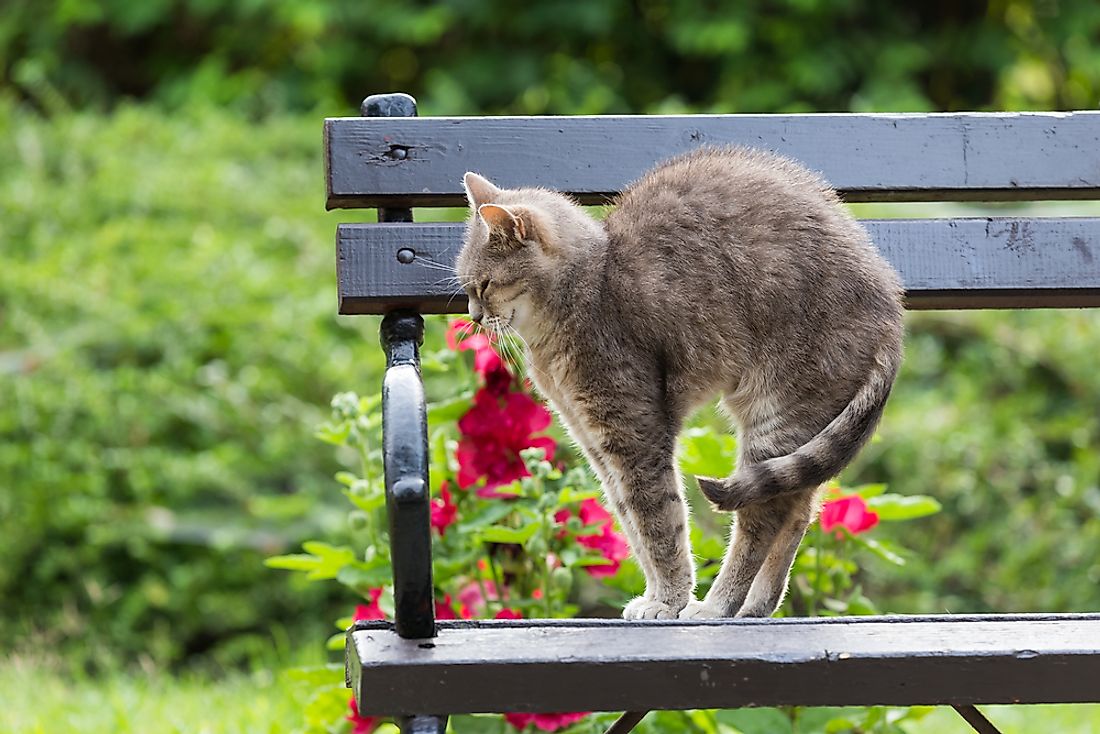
(724, 272)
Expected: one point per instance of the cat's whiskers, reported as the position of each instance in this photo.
(461, 288)
(433, 265)
(527, 363)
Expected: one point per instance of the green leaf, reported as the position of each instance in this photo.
(362, 576)
(882, 550)
(503, 534)
(895, 507)
(569, 495)
(293, 562)
(346, 478)
(369, 503)
(336, 435)
(449, 411)
(330, 559)
(867, 491)
(704, 451)
(489, 515)
(590, 561)
(757, 721)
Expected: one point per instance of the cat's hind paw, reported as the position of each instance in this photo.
(643, 608)
(701, 610)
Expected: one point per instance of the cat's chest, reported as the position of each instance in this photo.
(558, 377)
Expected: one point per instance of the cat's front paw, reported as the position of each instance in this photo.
(643, 608)
(701, 610)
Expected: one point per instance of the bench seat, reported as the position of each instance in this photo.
(602, 665)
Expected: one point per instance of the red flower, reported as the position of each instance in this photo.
(494, 431)
(487, 361)
(508, 614)
(360, 724)
(444, 511)
(545, 722)
(445, 609)
(610, 544)
(372, 610)
(849, 512)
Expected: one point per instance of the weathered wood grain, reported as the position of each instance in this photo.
(612, 665)
(944, 263)
(869, 157)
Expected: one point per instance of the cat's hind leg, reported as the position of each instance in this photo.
(754, 530)
(758, 526)
(770, 585)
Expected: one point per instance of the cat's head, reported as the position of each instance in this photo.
(516, 243)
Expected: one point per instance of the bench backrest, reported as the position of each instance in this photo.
(986, 262)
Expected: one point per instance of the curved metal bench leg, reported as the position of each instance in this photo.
(977, 720)
(626, 722)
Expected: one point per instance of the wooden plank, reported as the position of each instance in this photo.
(945, 263)
(612, 665)
(869, 157)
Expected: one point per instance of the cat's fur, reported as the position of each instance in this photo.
(724, 272)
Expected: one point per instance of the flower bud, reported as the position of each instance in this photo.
(358, 519)
(561, 579)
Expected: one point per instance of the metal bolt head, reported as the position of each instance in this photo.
(405, 255)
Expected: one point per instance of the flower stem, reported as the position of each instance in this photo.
(496, 580)
(817, 572)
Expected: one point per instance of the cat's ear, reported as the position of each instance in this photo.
(501, 217)
(479, 190)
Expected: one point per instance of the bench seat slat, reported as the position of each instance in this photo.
(944, 263)
(870, 157)
(614, 665)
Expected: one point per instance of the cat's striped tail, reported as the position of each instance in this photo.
(819, 459)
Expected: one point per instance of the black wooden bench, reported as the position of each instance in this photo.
(421, 671)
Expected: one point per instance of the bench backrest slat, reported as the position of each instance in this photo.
(393, 161)
(944, 263)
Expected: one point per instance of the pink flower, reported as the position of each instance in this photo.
(544, 722)
(850, 512)
(371, 610)
(472, 598)
(487, 361)
(444, 511)
(360, 724)
(494, 431)
(508, 614)
(610, 544)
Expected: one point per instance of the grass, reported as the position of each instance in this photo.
(40, 700)
(1080, 719)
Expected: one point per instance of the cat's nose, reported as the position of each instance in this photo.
(476, 313)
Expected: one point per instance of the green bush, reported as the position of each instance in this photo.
(167, 345)
(995, 415)
(561, 57)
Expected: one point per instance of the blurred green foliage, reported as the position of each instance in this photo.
(995, 415)
(557, 56)
(167, 338)
(167, 344)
